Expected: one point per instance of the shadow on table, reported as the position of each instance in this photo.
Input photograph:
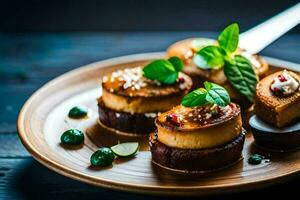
(34, 181)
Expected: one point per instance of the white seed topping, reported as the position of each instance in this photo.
(182, 86)
(152, 115)
(104, 79)
(208, 115)
(133, 79)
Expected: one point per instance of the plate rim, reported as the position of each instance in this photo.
(132, 187)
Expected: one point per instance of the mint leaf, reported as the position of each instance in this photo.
(176, 62)
(195, 98)
(213, 94)
(229, 38)
(207, 85)
(209, 57)
(161, 70)
(216, 94)
(241, 75)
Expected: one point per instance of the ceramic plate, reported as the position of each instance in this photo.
(43, 118)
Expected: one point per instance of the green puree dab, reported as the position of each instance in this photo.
(78, 112)
(72, 137)
(103, 157)
(255, 159)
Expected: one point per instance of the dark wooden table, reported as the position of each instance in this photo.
(28, 60)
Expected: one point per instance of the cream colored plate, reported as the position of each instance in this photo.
(44, 117)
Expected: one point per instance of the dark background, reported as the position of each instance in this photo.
(135, 15)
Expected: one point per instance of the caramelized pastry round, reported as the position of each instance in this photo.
(197, 160)
(199, 127)
(128, 91)
(275, 110)
(185, 49)
(130, 102)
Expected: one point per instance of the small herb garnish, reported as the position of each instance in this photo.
(237, 69)
(165, 71)
(211, 94)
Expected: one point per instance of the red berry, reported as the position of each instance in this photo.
(181, 80)
(276, 89)
(281, 78)
(173, 119)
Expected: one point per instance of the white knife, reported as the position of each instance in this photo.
(259, 37)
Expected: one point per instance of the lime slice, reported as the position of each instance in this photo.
(125, 149)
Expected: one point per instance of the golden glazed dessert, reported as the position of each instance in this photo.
(277, 107)
(198, 138)
(130, 101)
(186, 50)
(278, 98)
(203, 68)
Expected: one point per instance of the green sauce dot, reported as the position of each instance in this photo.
(72, 137)
(78, 112)
(102, 157)
(255, 159)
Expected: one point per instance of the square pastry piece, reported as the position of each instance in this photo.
(278, 98)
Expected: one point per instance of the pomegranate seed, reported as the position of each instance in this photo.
(181, 80)
(173, 119)
(276, 89)
(281, 78)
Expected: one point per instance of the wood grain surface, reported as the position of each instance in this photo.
(44, 117)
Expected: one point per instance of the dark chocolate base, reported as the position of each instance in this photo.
(196, 160)
(271, 137)
(126, 122)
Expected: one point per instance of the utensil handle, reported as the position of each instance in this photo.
(259, 37)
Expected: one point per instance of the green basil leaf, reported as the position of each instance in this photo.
(176, 62)
(209, 57)
(207, 85)
(229, 38)
(195, 98)
(161, 70)
(216, 94)
(241, 75)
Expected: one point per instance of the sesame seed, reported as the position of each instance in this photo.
(182, 86)
(104, 79)
(152, 115)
